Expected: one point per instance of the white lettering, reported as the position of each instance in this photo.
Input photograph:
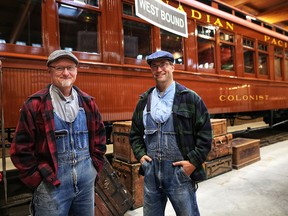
(152, 9)
(172, 19)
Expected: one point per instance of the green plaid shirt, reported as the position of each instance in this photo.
(192, 126)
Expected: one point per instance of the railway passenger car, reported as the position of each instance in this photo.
(238, 66)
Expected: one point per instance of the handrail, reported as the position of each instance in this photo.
(3, 135)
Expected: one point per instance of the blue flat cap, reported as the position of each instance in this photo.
(160, 55)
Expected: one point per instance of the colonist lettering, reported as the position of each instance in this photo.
(243, 97)
(214, 21)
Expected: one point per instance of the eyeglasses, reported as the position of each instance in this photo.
(61, 69)
(162, 65)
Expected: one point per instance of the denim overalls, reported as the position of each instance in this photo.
(75, 195)
(162, 179)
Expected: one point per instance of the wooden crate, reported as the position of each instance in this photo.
(245, 151)
(218, 166)
(128, 174)
(219, 127)
(121, 145)
(221, 146)
(122, 127)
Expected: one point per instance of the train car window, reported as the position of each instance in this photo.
(78, 29)
(207, 2)
(136, 39)
(249, 55)
(263, 58)
(263, 63)
(267, 26)
(286, 64)
(240, 15)
(278, 58)
(137, 35)
(20, 22)
(88, 2)
(227, 51)
(206, 47)
(128, 9)
(256, 22)
(225, 8)
(173, 44)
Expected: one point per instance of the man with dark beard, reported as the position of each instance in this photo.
(59, 143)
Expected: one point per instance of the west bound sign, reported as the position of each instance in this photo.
(163, 16)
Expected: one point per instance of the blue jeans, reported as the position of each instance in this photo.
(162, 181)
(49, 200)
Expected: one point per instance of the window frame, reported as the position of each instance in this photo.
(253, 49)
(211, 39)
(222, 71)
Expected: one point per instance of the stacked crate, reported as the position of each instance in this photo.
(125, 163)
(219, 159)
(245, 152)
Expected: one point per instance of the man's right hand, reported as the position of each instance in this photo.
(145, 158)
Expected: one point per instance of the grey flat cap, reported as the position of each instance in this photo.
(58, 54)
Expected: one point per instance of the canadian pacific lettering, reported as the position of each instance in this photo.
(228, 25)
(275, 41)
(217, 22)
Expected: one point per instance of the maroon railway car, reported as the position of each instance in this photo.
(238, 66)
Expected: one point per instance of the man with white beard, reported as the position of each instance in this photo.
(59, 143)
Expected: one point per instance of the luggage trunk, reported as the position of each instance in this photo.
(134, 182)
(219, 127)
(218, 166)
(221, 146)
(121, 145)
(111, 193)
(101, 209)
(245, 152)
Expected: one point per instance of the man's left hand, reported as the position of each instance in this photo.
(187, 166)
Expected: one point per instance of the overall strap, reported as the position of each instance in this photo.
(149, 102)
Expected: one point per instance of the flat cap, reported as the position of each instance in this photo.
(59, 54)
(160, 55)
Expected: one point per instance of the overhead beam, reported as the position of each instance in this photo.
(275, 14)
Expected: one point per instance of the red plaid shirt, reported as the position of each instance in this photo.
(33, 150)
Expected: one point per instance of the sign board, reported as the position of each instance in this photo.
(162, 15)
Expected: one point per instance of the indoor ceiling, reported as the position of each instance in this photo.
(270, 11)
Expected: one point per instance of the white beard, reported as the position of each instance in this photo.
(66, 83)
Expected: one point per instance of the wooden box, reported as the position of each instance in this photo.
(122, 127)
(218, 166)
(221, 146)
(128, 174)
(101, 209)
(121, 145)
(112, 197)
(219, 127)
(245, 152)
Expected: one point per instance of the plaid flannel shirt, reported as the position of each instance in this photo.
(33, 150)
